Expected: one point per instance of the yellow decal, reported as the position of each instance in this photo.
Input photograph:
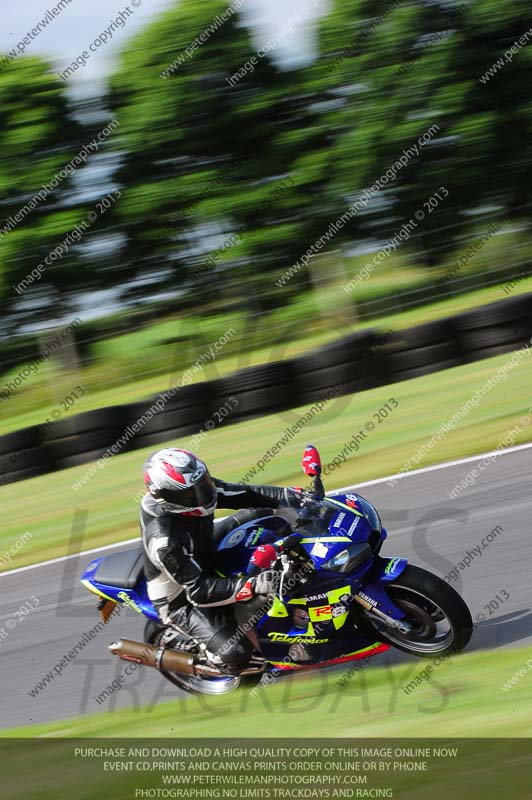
(126, 599)
(285, 637)
(343, 505)
(278, 609)
(311, 539)
(320, 614)
(334, 597)
(88, 585)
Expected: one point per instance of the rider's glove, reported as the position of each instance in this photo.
(266, 582)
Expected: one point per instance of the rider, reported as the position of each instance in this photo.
(179, 537)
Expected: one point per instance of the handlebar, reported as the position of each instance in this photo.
(296, 564)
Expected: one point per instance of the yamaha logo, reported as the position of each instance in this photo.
(233, 539)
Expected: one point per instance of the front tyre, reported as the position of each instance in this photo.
(441, 621)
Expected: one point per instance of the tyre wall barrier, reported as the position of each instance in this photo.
(352, 364)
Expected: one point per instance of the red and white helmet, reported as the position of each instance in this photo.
(180, 482)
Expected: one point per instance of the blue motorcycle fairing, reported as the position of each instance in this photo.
(319, 648)
(314, 620)
(234, 552)
(136, 598)
(91, 568)
(375, 594)
(388, 569)
(346, 518)
(384, 571)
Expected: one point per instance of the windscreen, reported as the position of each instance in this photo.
(370, 512)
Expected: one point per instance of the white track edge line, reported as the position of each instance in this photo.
(397, 476)
(443, 465)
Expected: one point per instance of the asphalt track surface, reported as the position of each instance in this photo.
(424, 525)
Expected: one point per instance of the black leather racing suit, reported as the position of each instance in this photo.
(181, 581)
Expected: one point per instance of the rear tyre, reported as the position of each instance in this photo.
(190, 683)
(441, 620)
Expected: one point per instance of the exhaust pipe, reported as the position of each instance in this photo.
(163, 658)
(157, 657)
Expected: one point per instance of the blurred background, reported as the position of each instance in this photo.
(307, 182)
(298, 212)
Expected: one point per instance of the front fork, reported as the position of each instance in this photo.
(375, 600)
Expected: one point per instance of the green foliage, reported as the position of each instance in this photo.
(277, 155)
(38, 136)
(420, 64)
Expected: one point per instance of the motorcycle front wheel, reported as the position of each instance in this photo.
(440, 619)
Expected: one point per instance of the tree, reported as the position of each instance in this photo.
(397, 68)
(207, 155)
(38, 137)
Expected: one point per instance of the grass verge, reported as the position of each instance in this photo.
(462, 697)
(143, 363)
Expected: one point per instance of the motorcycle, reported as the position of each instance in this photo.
(339, 599)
